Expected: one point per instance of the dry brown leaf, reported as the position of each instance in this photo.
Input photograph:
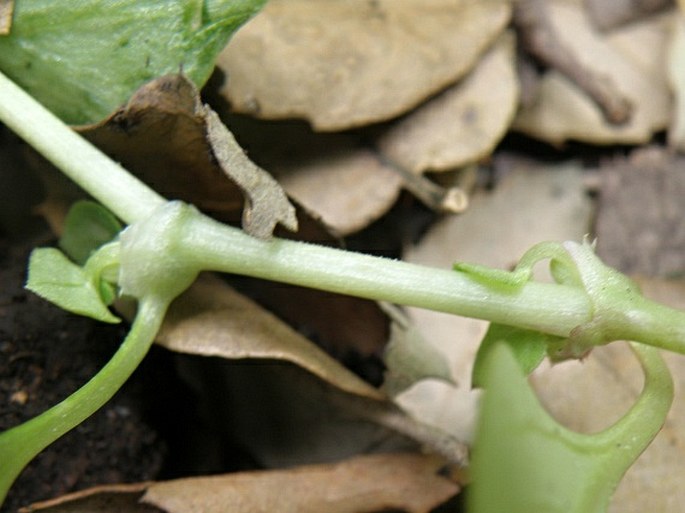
(464, 123)
(266, 203)
(167, 137)
(211, 319)
(343, 63)
(285, 416)
(403, 482)
(639, 225)
(633, 57)
(348, 189)
(332, 175)
(406, 482)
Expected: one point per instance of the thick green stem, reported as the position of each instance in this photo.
(94, 171)
(551, 308)
(20, 444)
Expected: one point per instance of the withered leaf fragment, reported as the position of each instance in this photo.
(167, 137)
(266, 203)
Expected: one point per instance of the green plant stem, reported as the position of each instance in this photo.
(94, 171)
(547, 307)
(22, 443)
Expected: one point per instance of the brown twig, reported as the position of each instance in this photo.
(540, 39)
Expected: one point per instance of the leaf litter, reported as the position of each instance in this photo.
(556, 109)
(372, 64)
(407, 482)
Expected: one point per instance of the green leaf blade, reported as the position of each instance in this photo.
(55, 278)
(528, 347)
(88, 226)
(82, 59)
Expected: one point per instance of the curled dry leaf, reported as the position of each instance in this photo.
(211, 319)
(266, 203)
(632, 57)
(398, 482)
(343, 64)
(464, 123)
(332, 175)
(167, 137)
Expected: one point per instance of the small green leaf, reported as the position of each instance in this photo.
(55, 278)
(494, 277)
(84, 58)
(88, 226)
(528, 347)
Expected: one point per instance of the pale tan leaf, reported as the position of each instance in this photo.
(406, 482)
(211, 319)
(464, 123)
(397, 482)
(349, 189)
(341, 63)
(632, 57)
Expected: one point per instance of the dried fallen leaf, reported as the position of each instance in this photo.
(403, 482)
(409, 358)
(367, 483)
(167, 137)
(332, 175)
(637, 240)
(266, 203)
(462, 124)
(633, 57)
(211, 319)
(342, 64)
(285, 416)
(348, 189)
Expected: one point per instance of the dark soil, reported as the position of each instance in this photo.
(46, 354)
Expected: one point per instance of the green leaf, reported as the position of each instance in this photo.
(55, 278)
(523, 461)
(84, 58)
(88, 226)
(528, 347)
